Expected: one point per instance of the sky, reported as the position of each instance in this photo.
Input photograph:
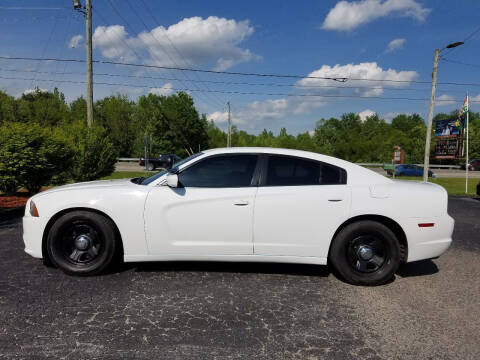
(365, 41)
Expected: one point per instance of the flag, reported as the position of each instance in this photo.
(463, 110)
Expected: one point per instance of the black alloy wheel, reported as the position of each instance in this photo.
(82, 243)
(365, 252)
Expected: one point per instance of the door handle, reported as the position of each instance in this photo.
(240, 202)
(335, 200)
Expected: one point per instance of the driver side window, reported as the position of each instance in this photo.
(220, 171)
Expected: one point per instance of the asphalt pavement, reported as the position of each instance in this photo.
(242, 311)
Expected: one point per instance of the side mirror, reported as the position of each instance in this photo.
(172, 180)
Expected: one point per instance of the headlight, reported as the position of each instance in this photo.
(33, 209)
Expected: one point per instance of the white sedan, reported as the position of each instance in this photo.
(244, 204)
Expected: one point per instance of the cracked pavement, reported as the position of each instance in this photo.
(236, 311)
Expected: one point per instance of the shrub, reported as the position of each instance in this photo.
(31, 156)
(94, 156)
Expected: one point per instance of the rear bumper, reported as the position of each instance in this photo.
(428, 242)
(32, 235)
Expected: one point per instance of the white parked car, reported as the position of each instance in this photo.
(244, 204)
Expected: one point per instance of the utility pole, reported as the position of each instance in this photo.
(430, 111)
(430, 117)
(77, 5)
(229, 130)
(88, 16)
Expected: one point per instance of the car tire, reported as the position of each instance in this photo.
(365, 253)
(401, 174)
(150, 167)
(82, 243)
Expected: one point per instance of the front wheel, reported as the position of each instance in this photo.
(82, 243)
(365, 253)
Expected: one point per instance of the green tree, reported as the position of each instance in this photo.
(32, 156)
(42, 107)
(115, 114)
(94, 156)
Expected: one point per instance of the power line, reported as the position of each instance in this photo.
(107, 62)
(460, 62)
(230, 82)
(469, 37)
(136, 34)
(242, 93)
(185, 60)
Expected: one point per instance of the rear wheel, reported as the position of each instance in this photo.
(82, 243)
(365, 253)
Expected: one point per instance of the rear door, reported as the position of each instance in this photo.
(299, 205)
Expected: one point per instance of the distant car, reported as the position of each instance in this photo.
(244, 204)
(473, 165)
(478, 189)
(164, 161)
(411, 170)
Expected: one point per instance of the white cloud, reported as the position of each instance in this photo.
(165, 90)
(346, 15)
(388, 117)
(75, 41)
(474, 98)
(114, 43)
(395, 44)
(444, 100)
(218, 117)
(271, 109)
(196, 41)
(366, 113)
(362, 72)
(33, 91)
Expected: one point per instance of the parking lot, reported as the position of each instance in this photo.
(241, 311)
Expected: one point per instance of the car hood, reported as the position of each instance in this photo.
(88, 185)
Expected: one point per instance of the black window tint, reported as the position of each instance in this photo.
(292, 171)
(332, 175)
(285, 170)
(220, 171)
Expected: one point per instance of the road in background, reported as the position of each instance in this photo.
(448, 173)
(238, 311)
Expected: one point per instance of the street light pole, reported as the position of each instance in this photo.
(428, 138)
(430, 117)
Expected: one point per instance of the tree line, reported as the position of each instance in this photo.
(172, 124)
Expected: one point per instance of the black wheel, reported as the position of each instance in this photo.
(82, 243)
(150, 167)
(365, 253)
(400, 174)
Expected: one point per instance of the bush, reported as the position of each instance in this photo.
(31, 156)
(94, 156)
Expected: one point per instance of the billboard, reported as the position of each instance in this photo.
(447, 149)
(448, 127)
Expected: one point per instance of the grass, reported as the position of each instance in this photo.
(128, 174)
(454, 186)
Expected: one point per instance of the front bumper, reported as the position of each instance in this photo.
(33, 228)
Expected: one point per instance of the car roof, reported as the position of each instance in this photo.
(356, 174)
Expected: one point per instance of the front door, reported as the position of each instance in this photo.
(211, 213)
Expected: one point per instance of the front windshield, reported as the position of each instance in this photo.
(173, 169)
